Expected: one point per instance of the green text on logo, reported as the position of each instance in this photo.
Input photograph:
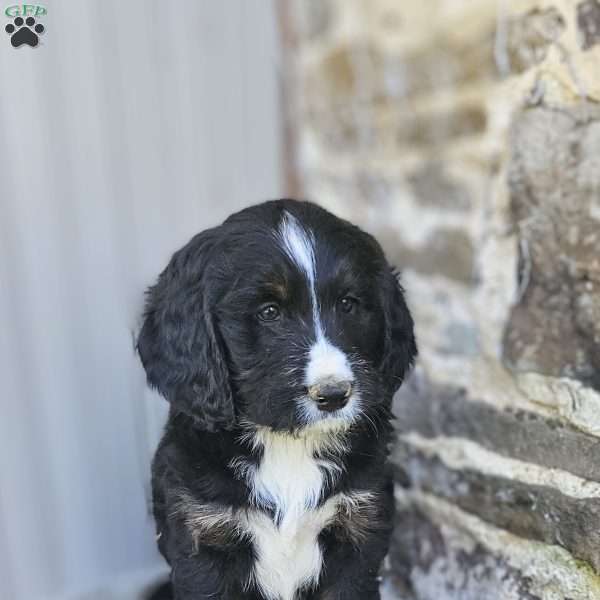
(25, 10)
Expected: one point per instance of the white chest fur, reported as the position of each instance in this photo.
(289, 479)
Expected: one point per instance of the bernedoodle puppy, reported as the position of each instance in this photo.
(278, 339)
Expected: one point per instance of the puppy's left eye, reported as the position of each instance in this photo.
(269, 312)
(347, 304)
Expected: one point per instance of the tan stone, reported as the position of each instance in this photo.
(466, 136)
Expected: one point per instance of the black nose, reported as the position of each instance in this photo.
(330, 395)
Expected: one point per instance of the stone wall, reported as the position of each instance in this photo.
(466, 136)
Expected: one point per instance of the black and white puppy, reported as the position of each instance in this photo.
(279, 339)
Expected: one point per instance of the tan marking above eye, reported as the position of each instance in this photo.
(278, 289)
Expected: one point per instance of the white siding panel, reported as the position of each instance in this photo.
(131, 127)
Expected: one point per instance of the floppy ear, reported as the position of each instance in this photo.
(400, 347)
(178, 343)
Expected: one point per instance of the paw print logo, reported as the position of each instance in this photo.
(24, 31)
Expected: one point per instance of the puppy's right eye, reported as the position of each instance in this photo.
(269, 312)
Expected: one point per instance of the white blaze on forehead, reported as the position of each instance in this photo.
(299, 245)
(325, 360)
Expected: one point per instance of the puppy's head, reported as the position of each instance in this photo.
(284, 316)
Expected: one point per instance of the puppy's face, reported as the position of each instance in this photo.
(304, 322)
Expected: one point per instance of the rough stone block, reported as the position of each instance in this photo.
(554, 181)
(426, 567)
(435, 411)
(588, 23)
(530, 511)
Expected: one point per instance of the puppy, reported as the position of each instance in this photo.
(279, 339)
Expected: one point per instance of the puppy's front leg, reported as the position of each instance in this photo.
(355, 549)
(357, 580)
(204, 572)
(196, 577)
(205, 577)
(351, 572)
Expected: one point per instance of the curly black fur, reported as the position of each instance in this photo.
(229, 375)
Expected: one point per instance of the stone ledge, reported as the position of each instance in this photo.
(435, 411)
(459, 453)
(530, 511)
(442, 530)
(426, 565)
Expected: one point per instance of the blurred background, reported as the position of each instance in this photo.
(464, 134)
